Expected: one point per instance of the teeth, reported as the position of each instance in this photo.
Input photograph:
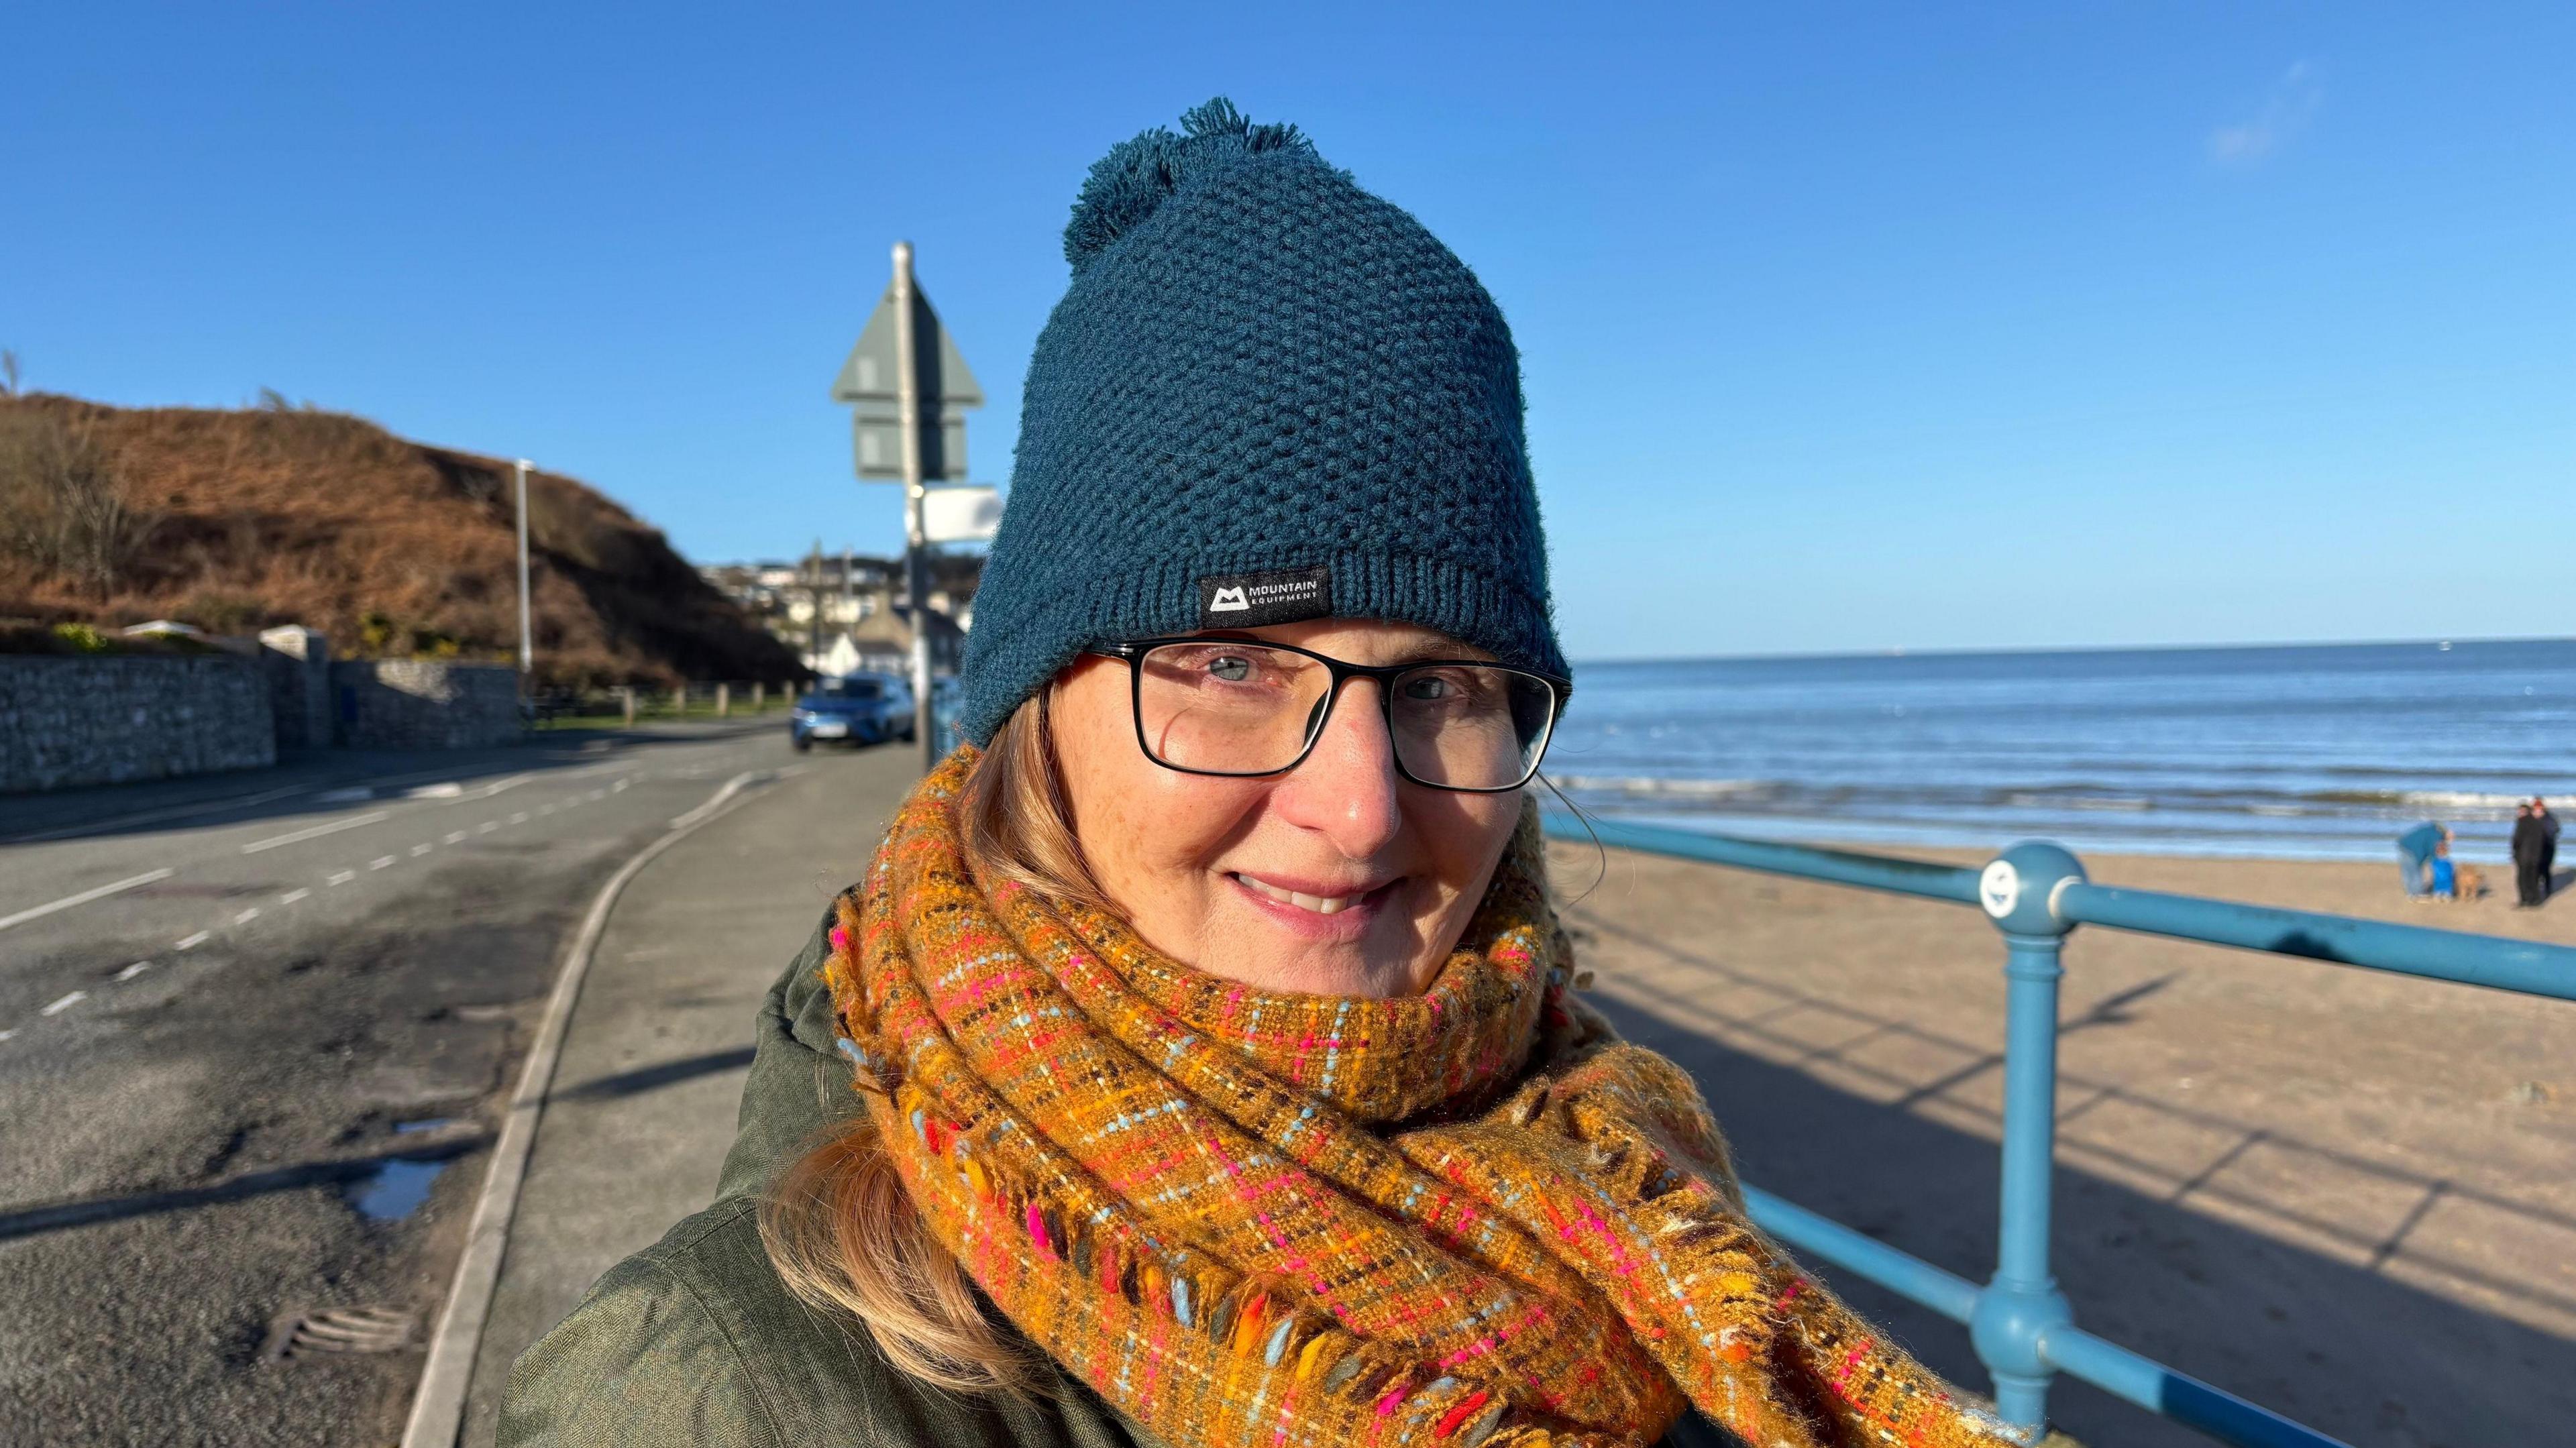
(1320, 904)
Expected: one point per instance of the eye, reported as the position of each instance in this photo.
(1429, 688)
(1232, 668)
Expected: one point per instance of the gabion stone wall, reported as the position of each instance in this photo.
(423, 704)
(75, 721)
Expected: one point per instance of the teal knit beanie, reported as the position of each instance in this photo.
(1267, 396)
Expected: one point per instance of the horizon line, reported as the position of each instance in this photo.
(1900, 652)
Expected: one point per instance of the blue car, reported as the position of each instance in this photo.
(849, 710)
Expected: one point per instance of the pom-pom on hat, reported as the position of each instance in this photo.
(1267, 396)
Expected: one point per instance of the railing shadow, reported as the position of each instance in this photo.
(61, 1216)
(2347, 1348)
(654, 1077)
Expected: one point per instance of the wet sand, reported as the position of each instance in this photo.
(2346, 1195)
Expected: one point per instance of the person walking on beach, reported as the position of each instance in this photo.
(2415, 855)
(1199, 1062)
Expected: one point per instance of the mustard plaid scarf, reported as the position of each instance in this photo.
(1472, 1218)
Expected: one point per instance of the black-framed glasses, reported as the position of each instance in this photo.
(1241, 707)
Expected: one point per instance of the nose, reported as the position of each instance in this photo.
(1346, 790)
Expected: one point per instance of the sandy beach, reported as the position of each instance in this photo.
(2348, 1196)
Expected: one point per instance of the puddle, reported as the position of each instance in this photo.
(395, 1190)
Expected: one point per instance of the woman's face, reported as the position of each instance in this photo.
(1205, 868)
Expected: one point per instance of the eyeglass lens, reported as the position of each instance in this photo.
(1222, 706)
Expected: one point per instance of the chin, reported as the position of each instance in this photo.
(1329, 974)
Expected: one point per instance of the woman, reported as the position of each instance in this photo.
(1197, 1063)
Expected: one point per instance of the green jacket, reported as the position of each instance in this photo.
(695, 1341)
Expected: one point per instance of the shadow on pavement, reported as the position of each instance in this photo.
(59, 1216)
(648, 1078)
(2338, 1345)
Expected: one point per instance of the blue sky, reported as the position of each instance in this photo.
(1846, 327)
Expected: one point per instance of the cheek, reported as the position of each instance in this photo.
(1465, 836)
(1147, 832)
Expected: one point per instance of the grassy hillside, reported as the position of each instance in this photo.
(234, 521)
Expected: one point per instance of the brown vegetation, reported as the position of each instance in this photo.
(234, 521)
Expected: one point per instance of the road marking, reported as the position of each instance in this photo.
(545, 809)
(487, 827)
(131, 971)
(520, 818)
(455, 837)
(66, 1003)
(247, 916)
(449, 790)
(341, 877)
(83, 898)
(291, 896)
(193, 941)
(419, 850)
(596, 794)
(498, 785)
(618, 788)
(315, 833)
(4, 1035)
(379, 862)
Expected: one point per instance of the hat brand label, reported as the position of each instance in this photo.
(1252, 600)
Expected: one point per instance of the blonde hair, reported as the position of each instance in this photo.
(837, 1223)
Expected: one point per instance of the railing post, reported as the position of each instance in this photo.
(2017, 1308)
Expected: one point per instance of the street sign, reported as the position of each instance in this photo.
(869, 383)
(961, 515)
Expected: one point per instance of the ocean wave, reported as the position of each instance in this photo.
(2028, 799)
(1659, 787)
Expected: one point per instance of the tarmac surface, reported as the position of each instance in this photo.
(252, 1033)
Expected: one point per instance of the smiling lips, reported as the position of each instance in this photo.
(1318, 904)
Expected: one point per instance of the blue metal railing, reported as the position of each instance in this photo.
(2036, 893)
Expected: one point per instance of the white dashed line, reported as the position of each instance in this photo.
(419, 850)
(487, 827)
(4, 1035)
(66, 1003)
(596, 794)
(520, 818)
(545, 809)
(193, 941)
(341, 877)
(247, 916)
(291, 896)
(131, 971)
(379, 862)
(618, 788)
(315, 833)
(454, 837)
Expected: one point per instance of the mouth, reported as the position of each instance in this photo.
(1312, 911)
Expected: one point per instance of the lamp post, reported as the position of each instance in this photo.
(527, 649)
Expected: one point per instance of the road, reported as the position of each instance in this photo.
(251, 1031)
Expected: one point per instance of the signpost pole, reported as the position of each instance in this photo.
(916, 559)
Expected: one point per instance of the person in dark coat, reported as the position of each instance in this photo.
(2548, 842)
(2530, 877)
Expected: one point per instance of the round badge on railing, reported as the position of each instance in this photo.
(1999, 888)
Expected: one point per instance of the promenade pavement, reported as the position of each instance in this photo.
(644, 1097)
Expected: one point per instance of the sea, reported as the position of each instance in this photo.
(2309, 752)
